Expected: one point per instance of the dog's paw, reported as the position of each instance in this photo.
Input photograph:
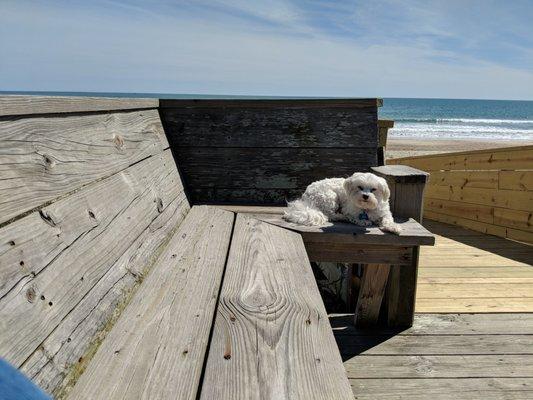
(391, 228)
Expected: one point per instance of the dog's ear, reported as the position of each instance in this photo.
(349, 184)
(384, 189)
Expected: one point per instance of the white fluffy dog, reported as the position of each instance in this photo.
(362, 199)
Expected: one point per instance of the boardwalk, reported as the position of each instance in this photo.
(473, 332)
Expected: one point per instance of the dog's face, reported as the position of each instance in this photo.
(367, 190)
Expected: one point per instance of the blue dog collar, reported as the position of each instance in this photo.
(363, 216)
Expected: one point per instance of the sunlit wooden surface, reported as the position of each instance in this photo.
(467, 271)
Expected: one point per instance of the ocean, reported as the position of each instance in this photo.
(459, 119)
(417, 118)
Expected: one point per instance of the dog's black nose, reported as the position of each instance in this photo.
(365, 197)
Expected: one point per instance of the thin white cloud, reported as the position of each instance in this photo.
(86, 49)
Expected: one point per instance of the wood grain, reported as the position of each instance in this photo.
(156, 350)
(508, 158)
(271, 337)
(11, 105)
(352, 253)
(262, 103)
(341, 232)
(44, 158)
(66, 350)
(271, 127)
(444, 389)
(516, 180)
(99, 229)
(464, 356)
(440, 366)
(436, 344)
(269, 168)
(463, 179)
(373, 284)
(444, 324)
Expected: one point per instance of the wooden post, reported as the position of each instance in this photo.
(407, 191)
(371, 294)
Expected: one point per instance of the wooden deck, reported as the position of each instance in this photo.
(443, 356)
(470, 272)
(473, 332)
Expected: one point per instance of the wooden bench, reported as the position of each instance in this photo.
(271, 336)
(112, 286)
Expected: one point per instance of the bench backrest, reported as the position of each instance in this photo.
(89, 192)
(268, 151)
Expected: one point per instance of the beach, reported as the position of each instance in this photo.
(407, 147)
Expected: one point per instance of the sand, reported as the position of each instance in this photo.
(402, 147)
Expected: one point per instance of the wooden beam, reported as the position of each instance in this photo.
(352, 253)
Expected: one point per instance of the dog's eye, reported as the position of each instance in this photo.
(373, 189)
(360, 187)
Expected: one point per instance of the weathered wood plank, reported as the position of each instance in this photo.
(56, 364)
(440, 366)
(11, 105)
(269, 168)
(104, 227)
(462, 290)
(436, 344)
(296, 102)
(271, 337)
(353, 253)
(443, 389)
(401, 174)
(445, 324)
(516, 180)
(220, 195)
(271, 126)
(373, 284)
(156, 350)
(44, 158)
(341, 232)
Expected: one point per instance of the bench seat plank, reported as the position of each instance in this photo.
(271, 338)
(413, 233)
(156, 349)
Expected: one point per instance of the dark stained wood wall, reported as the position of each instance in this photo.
(268, 151)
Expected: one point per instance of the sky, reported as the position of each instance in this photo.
(476, 49)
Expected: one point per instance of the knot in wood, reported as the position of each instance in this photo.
(30, 295)
(119, 142)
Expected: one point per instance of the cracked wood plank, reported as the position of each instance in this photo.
(63, 354)
(156, 349)
(99, 223)
(272, 338)
(43, 158)
(12, 105)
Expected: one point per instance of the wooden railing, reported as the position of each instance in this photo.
(490, 191)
